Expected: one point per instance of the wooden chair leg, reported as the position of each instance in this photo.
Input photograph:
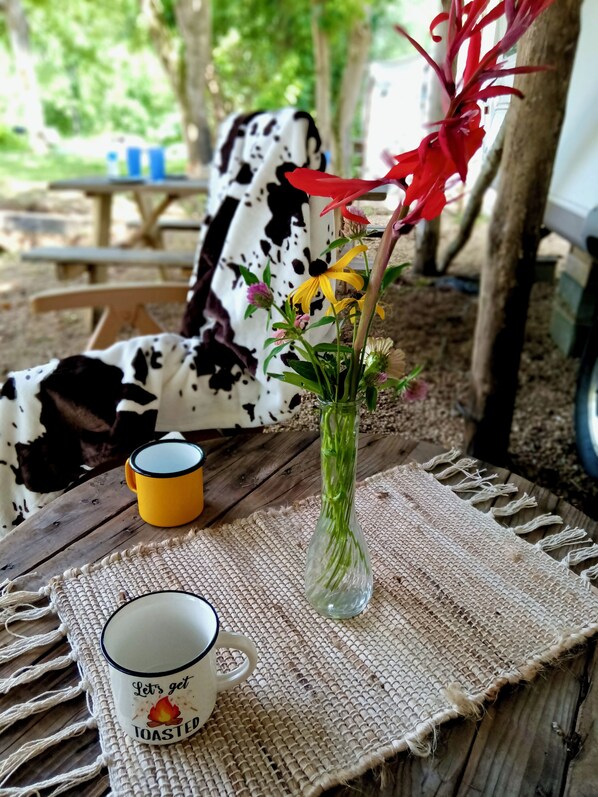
(144, 322)
(110, 324)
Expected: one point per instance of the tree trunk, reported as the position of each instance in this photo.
(487, 174)
(533, 128)
(194, 22)
(360, 39)
(322, 81)
(427, 233)
(18, 30)
(187, 68)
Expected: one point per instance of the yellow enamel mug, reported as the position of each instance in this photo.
(167, 476)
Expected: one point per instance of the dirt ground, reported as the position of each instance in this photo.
(429, 319)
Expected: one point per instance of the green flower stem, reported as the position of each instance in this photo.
(308, 353)
(314, 361)
(338, 467)
(387, 244)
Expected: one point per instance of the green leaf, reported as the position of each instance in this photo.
(267, 276)
(299, 381)
(272, 354)
(333, 347)
(335, 244)
(391, 274)
(304, 369)
(250, 310)
(371, 398)
(249, 277)
(327, 319)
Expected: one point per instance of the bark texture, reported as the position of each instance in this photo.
(484, 180)
(533, 128)
(360, 39)
(188, 68)
(323, 98)
(18, 31)
(194, 22)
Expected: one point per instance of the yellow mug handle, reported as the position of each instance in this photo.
(130, 477)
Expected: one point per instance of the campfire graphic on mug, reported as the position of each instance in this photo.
(165, 684)
(164, 713)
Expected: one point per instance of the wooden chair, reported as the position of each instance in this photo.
(63, 418)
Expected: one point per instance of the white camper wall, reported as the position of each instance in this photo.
(574, 188)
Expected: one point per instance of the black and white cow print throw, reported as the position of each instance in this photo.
(60, 419)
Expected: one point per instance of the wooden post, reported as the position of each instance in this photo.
(533, 128)
(102, 219)
(102, 222)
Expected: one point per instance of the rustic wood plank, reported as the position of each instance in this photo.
(149, 214)
(173, 224)
(59, 524)
(102, 224)
(414, 776)
(94, 186)
(519, 748)
(111, 256)
(112, 520)
(582, 780)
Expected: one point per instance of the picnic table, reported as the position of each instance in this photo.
(152, 199)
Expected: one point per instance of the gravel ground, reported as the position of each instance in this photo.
(431, 322)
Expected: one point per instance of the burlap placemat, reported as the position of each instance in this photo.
(461, 606)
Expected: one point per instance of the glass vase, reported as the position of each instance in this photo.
(338, 573)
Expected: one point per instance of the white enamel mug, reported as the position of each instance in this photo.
(160, 651)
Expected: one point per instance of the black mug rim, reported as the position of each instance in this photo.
(173, 474)
(163, 673)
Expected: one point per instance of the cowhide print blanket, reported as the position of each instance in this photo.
(60, 419)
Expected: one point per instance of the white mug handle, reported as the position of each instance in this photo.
(226, 639)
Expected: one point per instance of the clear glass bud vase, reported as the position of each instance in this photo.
(338, 573)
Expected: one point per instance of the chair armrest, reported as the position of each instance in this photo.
(126, 295)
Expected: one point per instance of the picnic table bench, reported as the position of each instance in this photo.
(72, 260)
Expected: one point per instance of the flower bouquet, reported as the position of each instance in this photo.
(350, 369)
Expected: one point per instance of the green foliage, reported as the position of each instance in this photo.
(414, 16)
(98, 71)
(42, 168)
(262, 53)
(12, 141)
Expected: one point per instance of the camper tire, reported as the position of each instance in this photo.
(586, 406)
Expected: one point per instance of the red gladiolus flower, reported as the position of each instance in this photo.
(444, 154)
(341, 190)
(447, 151)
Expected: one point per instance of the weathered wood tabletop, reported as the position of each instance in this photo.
(540, 739)
(102, 189)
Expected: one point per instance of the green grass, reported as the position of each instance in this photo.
(28, 167)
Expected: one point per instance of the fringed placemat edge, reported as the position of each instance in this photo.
(483, 488)
(19, 605)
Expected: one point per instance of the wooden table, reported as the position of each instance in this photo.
(102, 189)
(539, 739)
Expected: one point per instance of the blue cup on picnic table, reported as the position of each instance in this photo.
(134, 161)
(156, 163)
